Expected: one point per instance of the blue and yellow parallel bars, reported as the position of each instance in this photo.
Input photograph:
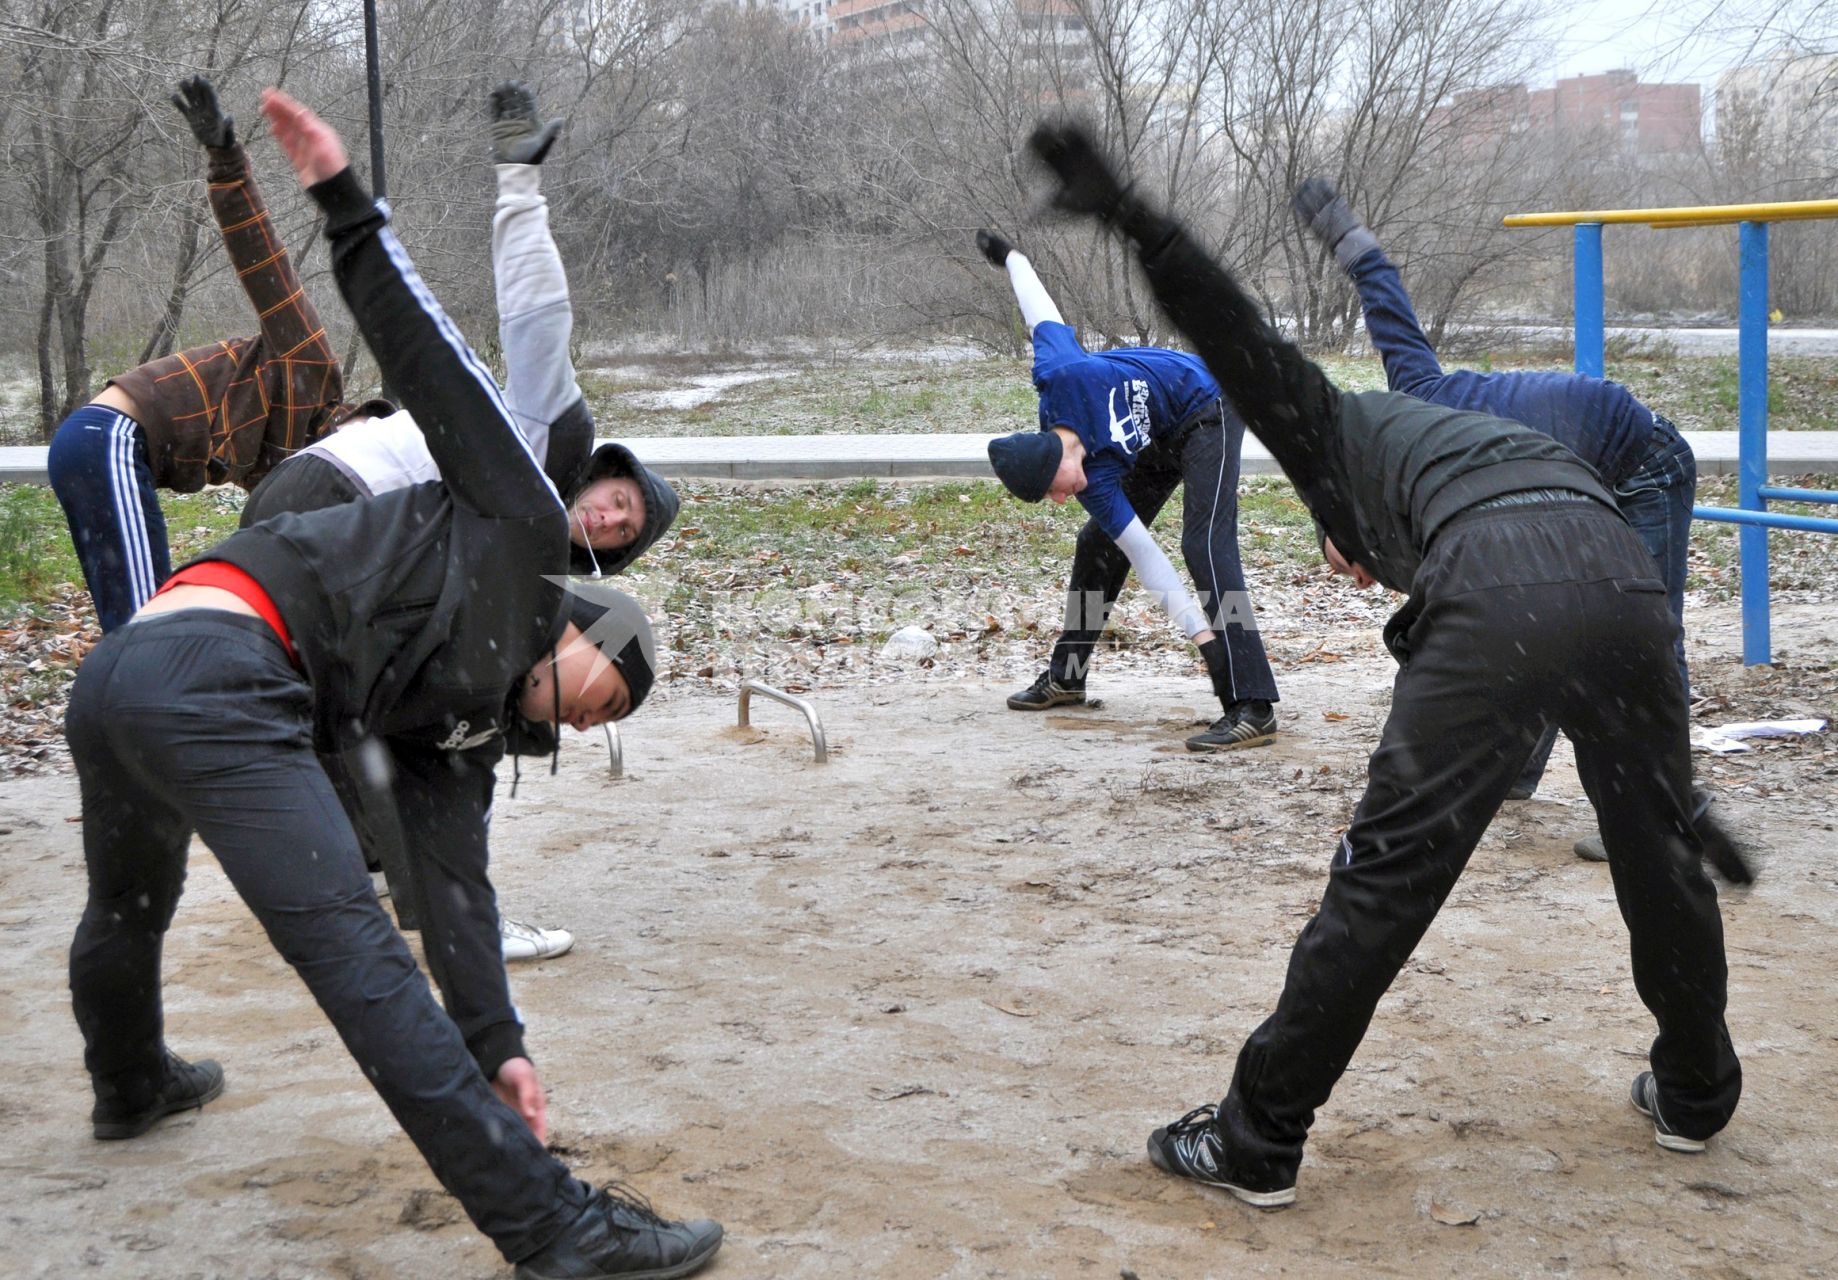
(1752, 488)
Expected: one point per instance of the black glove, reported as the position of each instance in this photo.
(1722, 852)
(1087, 183)
(993, 247)
(1219, 667)
(517, 135)
(1322, 210)
(197, 102)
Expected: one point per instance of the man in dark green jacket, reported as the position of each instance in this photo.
(1529, 599)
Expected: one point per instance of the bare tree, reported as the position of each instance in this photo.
(75, 163)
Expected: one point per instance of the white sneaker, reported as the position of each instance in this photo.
(379, 883)
(527, 942)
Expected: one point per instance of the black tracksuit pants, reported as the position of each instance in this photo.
(196, 721)
(1518, 615)
(1202, 458)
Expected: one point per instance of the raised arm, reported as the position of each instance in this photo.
(535, 316)
(290, 324)
(1031, 295)
(1283, 397)
(1411, 365)
(484, 460)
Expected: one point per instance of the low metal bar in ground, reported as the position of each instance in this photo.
(750, 687)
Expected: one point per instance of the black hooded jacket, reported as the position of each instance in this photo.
(417, 613)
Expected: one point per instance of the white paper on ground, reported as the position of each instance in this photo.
(1723, 739)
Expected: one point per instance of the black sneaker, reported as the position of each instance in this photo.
(1645, 1097)
(1046, 692)
(1191, 1148)
(1245, 724)
(618, 1237)
(187, 1086)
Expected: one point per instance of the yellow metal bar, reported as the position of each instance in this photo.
(1730, 222)
(1686, 216)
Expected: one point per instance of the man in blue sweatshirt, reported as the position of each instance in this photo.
(1643, 460)
(1119, 431)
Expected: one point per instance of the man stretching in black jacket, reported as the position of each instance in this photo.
(1529, 599)
(434, 614)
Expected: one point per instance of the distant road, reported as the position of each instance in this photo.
(1698, 342)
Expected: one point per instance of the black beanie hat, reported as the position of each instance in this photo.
(617, 625)
(1026, 462)
(660, 509)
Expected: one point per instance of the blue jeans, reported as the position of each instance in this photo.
(1656, 499)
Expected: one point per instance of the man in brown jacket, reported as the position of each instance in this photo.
(216, 414)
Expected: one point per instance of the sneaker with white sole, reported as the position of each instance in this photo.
(1247, 723)
(1645, 1097)
(1047, 692)
(1192, 1148)
(528, 942)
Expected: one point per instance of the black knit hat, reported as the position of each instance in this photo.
(1026, 462)
(617, 625)
(660, 509)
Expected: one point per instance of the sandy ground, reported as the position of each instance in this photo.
(913, 1013)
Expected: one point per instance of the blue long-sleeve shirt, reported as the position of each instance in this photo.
(1118, 402)
(1600, 421)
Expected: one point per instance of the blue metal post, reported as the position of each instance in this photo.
(1588, 290)
(1752, 440)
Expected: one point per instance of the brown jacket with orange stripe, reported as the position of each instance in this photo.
(229, 411)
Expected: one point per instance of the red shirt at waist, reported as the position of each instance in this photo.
(227, 577)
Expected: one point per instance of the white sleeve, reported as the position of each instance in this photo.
(380, 453)
(535, 317)
(1036, 304)
(1158, 577)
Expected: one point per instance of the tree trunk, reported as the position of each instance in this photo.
(73, 336)
(48, 418)
(165, 334)
(60, 339)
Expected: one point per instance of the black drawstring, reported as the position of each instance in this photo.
(555, 678)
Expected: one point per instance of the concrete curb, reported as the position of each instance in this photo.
(965, 456)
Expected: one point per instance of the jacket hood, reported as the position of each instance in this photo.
(661, 504)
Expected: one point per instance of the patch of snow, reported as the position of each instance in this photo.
(703, 389)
